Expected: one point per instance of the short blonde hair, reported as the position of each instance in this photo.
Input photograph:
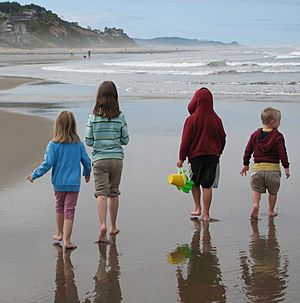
(270, 114)
(65, 128)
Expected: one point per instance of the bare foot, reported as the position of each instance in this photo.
(254, 212)
(272, 214)
(114, 231)
(102, 235)
(206, 218)
(196, 213)
(57, 237)
(70, 245)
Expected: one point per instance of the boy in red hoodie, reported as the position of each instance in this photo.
(268, 148)
(203, 141)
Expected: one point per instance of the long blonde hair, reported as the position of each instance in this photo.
(107, 104)
(65, 128)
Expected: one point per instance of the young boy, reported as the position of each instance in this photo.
(203, 141)
(268, 148)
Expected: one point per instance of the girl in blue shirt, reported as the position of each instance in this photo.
(64, 154)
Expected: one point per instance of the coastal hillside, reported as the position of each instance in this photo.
(30, 26)
(180, 42)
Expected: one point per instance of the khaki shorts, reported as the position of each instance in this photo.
(107, 176)
(265, 180)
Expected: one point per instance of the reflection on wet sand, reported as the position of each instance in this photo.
(265, 271)
(203, 281)
(66, 290)
(107, 287)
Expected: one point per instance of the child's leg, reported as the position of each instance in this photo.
(60, 200)
(255, 201)
(207, 197)
(272, 203)
(113, 211)
(69, 211)
(115, 173)
(102, 211)
(196, 196)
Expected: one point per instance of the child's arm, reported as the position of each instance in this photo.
(287, 172)
(124, 132)
(247, 156)
(186, 140)
(283, 156)
(89, 136)
(86, 162)
(244, 171)
(46, 165)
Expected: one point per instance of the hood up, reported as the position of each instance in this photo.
(202, 99)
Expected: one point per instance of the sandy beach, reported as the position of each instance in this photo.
(24, 138)
(160, 255)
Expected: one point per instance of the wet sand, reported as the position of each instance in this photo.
(160, 255)
(24, 137)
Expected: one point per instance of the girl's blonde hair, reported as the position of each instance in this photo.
(65, 128)
(107, 104)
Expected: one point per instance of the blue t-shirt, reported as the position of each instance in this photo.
(65, 160)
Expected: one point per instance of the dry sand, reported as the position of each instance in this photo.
(23, 138)
(12, 82)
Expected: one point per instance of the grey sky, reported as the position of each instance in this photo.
(252, 22)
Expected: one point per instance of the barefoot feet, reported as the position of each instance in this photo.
(114, 231)
(69, 245)
(272, 214)
(102, 235)
(206, 218)
(196, 212)
(57, 237)
(254, 212)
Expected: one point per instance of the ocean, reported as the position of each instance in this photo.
(231, 73)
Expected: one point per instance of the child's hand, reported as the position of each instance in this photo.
(87, 179)
(244, 171)
(179, 163)
(29, 178)
(287, 172)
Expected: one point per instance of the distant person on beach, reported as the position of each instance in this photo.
(203, 141)
(268, 148)
(89, 53)
(64, 154)
(106, 132)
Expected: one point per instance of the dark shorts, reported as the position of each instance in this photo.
(204, 170)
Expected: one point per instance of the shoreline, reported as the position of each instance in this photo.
(9, 82)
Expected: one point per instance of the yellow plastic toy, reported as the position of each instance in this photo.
(181, 180)
(181, 254)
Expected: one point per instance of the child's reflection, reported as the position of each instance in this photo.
(204, 279)
(107, 286)
(265, 270)
(66, 290)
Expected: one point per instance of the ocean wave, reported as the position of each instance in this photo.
(154, 64)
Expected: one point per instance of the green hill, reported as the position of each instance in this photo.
(33, 26)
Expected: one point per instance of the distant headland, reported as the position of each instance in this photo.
(32, 26)
(180, 42)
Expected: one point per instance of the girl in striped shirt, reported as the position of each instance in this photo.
(106, 132)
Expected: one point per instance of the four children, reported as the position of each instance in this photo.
(203, 141)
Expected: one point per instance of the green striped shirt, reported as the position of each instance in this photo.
(106, 136)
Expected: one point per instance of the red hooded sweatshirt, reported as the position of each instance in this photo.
(269, 149)
(203, 132)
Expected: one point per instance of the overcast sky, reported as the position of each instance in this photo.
(251, 22)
